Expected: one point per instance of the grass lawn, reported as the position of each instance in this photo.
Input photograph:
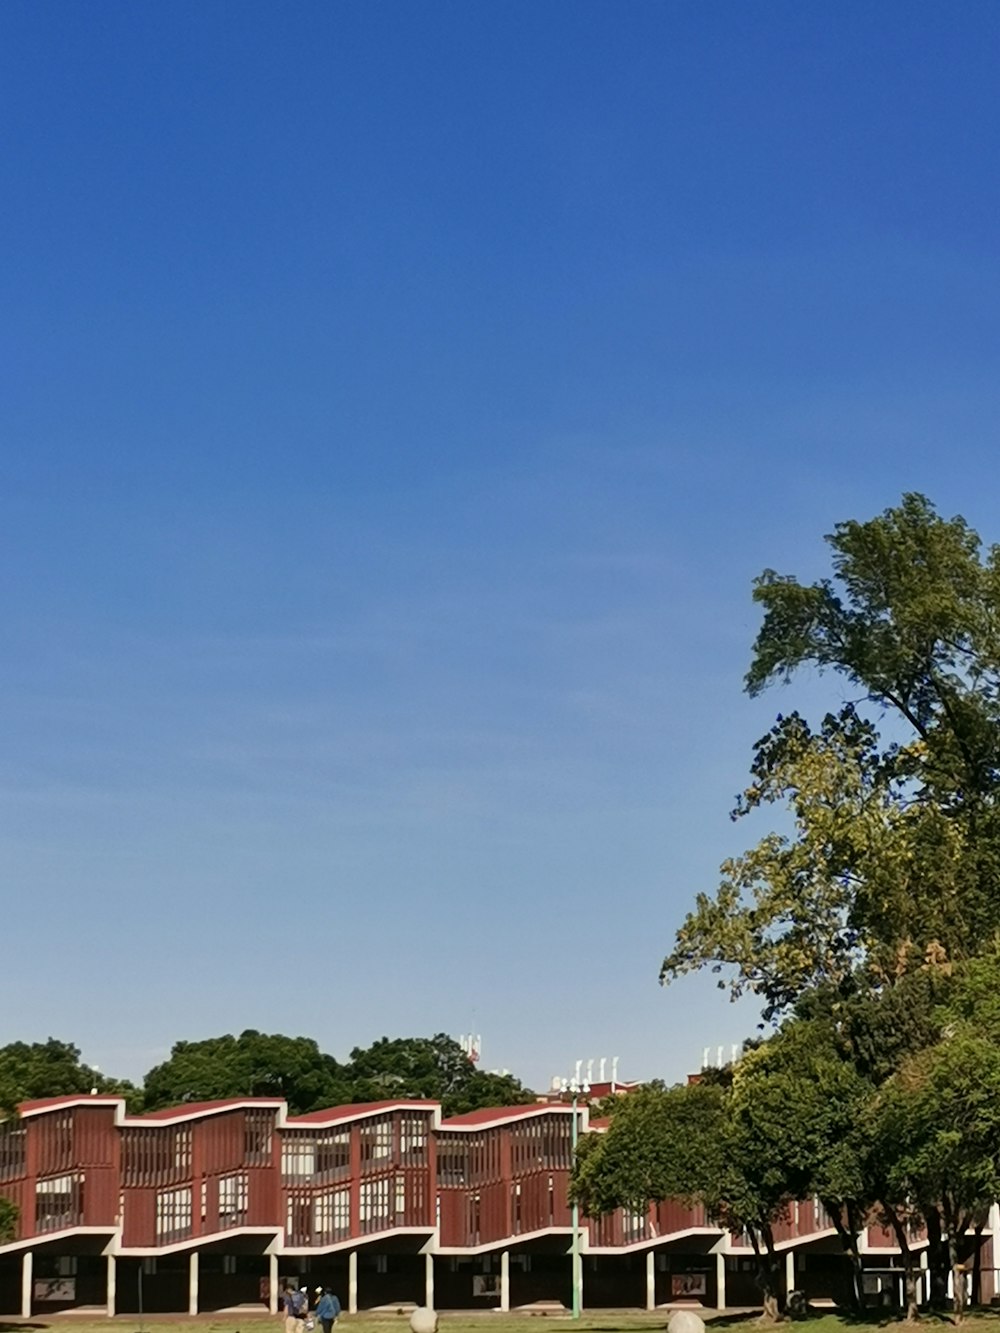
(610, 1321)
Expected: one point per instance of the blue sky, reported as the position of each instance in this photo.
(396, 402)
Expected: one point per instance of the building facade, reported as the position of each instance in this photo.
(207, 1206)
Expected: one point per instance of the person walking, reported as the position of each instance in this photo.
(296, 1303)
(327, 1309)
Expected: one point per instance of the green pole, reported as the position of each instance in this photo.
(576, 1228)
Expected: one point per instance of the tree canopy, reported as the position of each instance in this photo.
(869, 926)
(260, 1064)
(49, 1068)
(894, 858)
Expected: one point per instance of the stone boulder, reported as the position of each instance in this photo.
(423, 1320)
(686, 1321)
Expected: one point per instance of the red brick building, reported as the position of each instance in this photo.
(210, 1205)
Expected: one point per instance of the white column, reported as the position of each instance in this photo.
(504, 1281)
(352, 1282)
(650, 1280)
(26, 1267)
(720, 1280)
(193, 1283)
(112, 1291)
(578, 1277)
(429, 1281)
(926, 1279)
(789, 1273)
(272, 1284)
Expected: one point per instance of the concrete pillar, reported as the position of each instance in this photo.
(577, 1260)
(112, 1291)
(504, 1281)
(429, 1281)
(193, 1283)
(26, 1274)
(789, 1272)
(925, 1281)
(650, 1280)
(352, 1282)
(272, 1284)
(720, 1281)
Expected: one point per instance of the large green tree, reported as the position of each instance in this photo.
(937, 1127)
(734, 1145)
(432, 1067)
(254, 1064)
(877, 905)
(259, 1064)
(51, 1068)
(893, 861)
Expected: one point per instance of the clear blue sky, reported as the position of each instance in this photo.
(396, 402)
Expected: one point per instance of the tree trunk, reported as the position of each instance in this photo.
(910, 1270)
(848, 1235)
(938, 1260)
(910, 1280)
(768, 1276)
(957, 1277)
(977, 1265)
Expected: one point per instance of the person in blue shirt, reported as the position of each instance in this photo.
(327, 1309)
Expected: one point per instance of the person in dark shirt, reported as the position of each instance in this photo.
(327, 1310)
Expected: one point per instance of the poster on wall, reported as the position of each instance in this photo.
(688, 1284)
(55, 1289)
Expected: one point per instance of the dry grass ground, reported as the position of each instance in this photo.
(603, 1322)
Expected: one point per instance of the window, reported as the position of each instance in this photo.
(453, 1160)
(342, 1212)
(400, 1195)
(59, 1203)
(542, 1142)
(633, 1225)
(11, 1150)
(298, 1156)
(376, 1141)
(233, 1195)
(299, 1216)
(173, 1215)
(156, 1156)
(56, 1146)
(374, 1212)
(333, 1153)
(332, 1215)
(413, 1139)
(257, 1137)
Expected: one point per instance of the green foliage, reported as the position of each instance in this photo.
(937, 1124)
(52, 1068)
(872, 925)
(428, 1067)
(894, 859)
(737, 1150)
(662, 1143)
(9, 1219)
(256, 1064)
